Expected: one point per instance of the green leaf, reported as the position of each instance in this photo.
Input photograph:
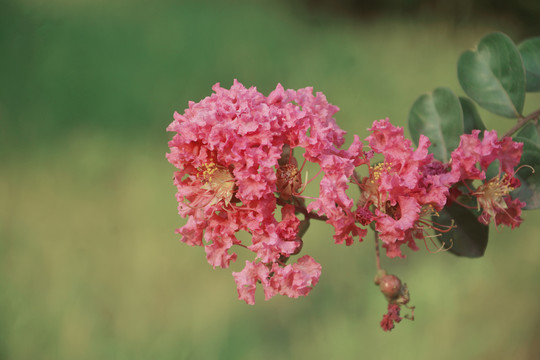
(530, 52)
(438, 116)
(492, 170)
(530, 131)
(493, 75)
(471, 118)
(529, 191)
(469, 238)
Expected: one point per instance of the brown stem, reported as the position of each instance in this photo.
(302, 229)
(522, 121)
(377, 253)
(302, 210)
(356, 178)
(316, 217)
(285, 155)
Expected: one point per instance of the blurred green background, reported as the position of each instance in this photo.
(90, 266)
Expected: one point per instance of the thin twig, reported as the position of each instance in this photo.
(522, 121)
(377, 253)
(314, 216)
(302, 210)
(357, 180)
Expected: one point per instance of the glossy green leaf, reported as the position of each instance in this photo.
(530, 52)
(471, 118)
(469, 238)
(493, 75)
(437, 115)
(529, 191)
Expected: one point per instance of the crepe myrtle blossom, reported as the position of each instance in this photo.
(290, 280)
(237, 172)
(471, 160)
(229, 150)
(408, 186)
(403, 190)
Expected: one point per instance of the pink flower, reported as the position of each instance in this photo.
(246, 281)
(297, 279)
(334, 202)
(473, 155)
(470, 162)
(226, 149)
(509, 215)
(495, 202)
(405, 187)
(312, 127)
(395, 226)
(291, 280)
(229, 150)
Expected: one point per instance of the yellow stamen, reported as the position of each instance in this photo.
(218, 180)
(490, 196)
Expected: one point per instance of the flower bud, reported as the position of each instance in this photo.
(390, 286)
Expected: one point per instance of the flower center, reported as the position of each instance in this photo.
(378, 169)
(217, 180)
(393, 211)
(370, 193)
(289, 180)
(490, 196)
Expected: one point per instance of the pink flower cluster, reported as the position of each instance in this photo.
(407, 187)
(227, 150)
(236, 170)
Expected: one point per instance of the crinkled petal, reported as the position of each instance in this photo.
(246, 280)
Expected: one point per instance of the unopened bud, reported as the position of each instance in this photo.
(390, 286)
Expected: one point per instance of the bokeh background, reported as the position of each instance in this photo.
(90, 266)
